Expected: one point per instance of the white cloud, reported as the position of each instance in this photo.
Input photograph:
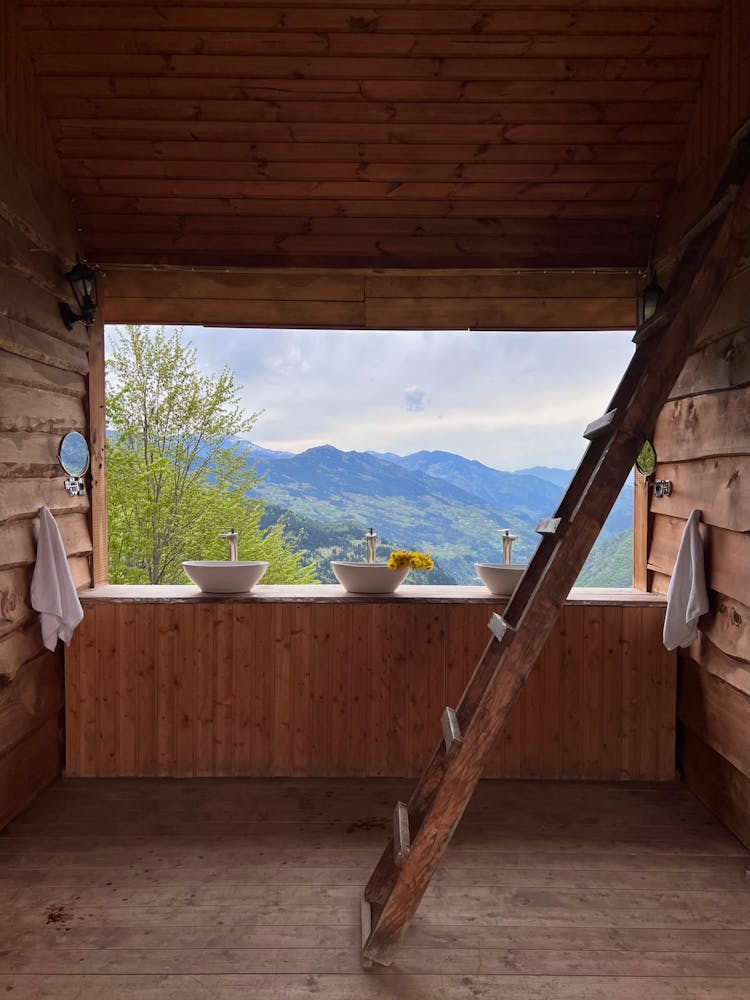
(292, 362)
(415, 398)
(508, 399)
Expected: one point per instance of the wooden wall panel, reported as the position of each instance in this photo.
(702, 441)
(42, 396)
(355, 689)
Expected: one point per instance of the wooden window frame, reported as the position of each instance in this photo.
(98, 446)
(129, 293)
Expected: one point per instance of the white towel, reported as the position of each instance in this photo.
(687, 598)
(53, 593)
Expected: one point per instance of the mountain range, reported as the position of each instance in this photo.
(434, 501)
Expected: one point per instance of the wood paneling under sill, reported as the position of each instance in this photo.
(325, 689)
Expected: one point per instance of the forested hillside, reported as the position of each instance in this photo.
(438, 502)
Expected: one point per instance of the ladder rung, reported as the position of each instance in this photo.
(548, 525)
(600, 426)
(498, 626)
(401, 838)
(451, 728)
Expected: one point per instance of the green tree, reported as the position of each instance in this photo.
(176, 477)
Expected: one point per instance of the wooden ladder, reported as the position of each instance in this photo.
(423, 828)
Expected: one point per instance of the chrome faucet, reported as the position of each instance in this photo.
(372, 546)
(508, 540)
(231, 538)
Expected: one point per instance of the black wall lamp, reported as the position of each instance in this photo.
(649, 299)
(650, 296)
(82, 280)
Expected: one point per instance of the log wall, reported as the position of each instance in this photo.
(43, 371)
(702, 441)
(271, 687)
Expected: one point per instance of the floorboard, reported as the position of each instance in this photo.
(179, 890)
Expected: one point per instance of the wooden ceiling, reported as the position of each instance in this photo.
(421, 133)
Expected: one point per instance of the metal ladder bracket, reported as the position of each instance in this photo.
(451, 729)
(498, 626)
(548, 526)
(365, 919)
(401, 836)
(601, 426)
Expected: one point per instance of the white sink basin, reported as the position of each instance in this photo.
(499, 578)
(368, 578)
(215, 577)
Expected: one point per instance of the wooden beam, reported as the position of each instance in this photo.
(357, 297)
(641, 530)
(98, 445)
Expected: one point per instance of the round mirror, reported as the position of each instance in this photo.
(646, 461)
(74, 454)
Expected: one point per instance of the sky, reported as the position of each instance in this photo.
(508, 399)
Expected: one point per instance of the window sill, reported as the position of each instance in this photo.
(335, 594)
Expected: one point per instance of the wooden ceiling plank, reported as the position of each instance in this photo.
(613, 191)
(494, 19)
(366, 45)
(45, 8)
(237, 253)
(358, 244)
(400, 113)
(125, 148)
(576, 230)
(424, 91)
(114, 255)
(368, 208)
(315, 170)
(314, 132)
(326, 67)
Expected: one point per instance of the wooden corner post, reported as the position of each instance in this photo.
(98, 445)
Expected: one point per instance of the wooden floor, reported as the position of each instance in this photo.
(247, 889)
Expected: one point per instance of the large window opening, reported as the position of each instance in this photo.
(303, 440)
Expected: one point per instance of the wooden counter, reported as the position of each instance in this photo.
(335, 594)
(311, 681)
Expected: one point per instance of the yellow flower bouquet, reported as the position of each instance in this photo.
(414, 560)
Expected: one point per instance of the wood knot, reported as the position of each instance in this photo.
(8, 604)
(691, 416)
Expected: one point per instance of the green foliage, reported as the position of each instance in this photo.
(321, 541)
(610, 563)
(175, 479)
